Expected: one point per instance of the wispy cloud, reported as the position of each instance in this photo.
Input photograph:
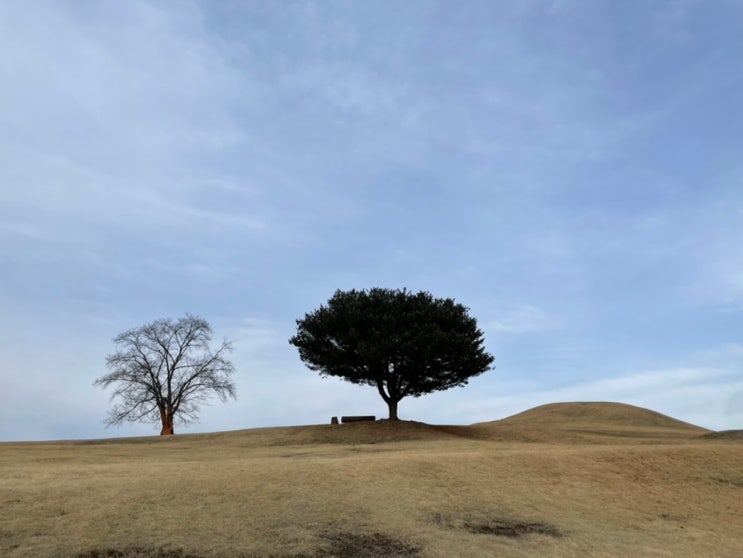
(524, 318)
(79, 146)
(717, 280)
(347, 88)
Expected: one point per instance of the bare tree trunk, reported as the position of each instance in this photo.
(166, 417)
(392, 404)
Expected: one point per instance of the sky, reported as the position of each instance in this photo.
(569, 170)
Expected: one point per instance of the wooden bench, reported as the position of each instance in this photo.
(358, 418)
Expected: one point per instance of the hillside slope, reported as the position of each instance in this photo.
(588, 421)
(584, 422)
(623, 482)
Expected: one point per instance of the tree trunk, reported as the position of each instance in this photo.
(166, 417)
(392, 404)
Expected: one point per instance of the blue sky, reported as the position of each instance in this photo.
(570, 170)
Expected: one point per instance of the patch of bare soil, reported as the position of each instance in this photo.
(511, 528)
(353, 545)
(339, 545)
(499, 527)
(138, 552)
(732, 482)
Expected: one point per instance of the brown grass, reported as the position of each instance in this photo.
(570, 480)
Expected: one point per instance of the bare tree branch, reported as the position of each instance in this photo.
(166, 369)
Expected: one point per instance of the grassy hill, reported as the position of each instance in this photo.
(599, 414)
(568, 479)
(592, 421)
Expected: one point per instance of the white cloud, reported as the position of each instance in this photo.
(348, 89)
(102, 110)
(523, 319)
(718, 256)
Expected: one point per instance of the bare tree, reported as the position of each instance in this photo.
(166, 369)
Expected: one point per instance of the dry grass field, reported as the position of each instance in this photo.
(573, 479)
